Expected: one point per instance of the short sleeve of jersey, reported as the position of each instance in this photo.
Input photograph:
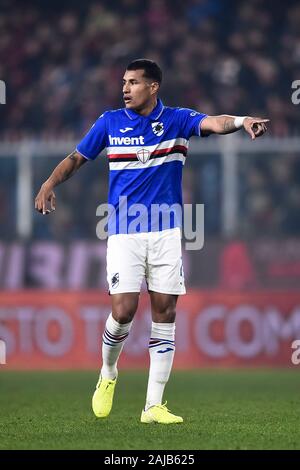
(95, 140)
(190, 122)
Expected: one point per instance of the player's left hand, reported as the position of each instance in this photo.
(255, 126)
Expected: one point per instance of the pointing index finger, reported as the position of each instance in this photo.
(261, 120)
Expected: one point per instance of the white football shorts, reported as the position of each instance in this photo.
(155, 256)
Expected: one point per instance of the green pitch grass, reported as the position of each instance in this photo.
(222, 410)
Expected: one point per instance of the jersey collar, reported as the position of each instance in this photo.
(154, 115)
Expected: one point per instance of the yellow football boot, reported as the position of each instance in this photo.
(103, 397)
(160, 414)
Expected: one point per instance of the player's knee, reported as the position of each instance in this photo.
(164, 314)
(124, 316)
(169, 315)
(124, 309)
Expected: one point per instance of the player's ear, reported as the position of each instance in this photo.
(154, 87)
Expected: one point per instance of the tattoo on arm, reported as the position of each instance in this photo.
(228, 126)
(72, 156)
(66, 175)
(66, 168)
(71, 168)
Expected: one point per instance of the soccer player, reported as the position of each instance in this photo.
(146, 145)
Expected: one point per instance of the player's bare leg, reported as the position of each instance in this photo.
(161, 349)
(124, 306)
(116, 330)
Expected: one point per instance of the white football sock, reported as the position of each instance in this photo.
(161, 350)
(113, 340)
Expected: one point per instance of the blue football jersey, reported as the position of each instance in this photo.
(146, 155)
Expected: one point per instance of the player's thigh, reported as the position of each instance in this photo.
(126, 263)
(164, 268)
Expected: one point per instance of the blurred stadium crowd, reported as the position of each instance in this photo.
(63, 62)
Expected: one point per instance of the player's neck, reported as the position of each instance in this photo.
(148, 108)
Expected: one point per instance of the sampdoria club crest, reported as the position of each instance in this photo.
(158, 128)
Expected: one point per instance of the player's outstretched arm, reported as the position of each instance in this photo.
(224, 124)
(45, 199)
